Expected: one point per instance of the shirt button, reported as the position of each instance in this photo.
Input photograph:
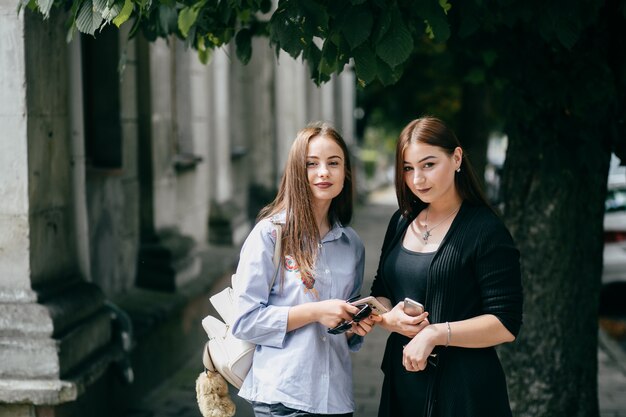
(327, 271)
(324, 338)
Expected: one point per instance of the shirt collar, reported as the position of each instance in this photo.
(334, 233)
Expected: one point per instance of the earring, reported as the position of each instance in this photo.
(458, 169)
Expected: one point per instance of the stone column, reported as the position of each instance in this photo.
(346, 103)
(290, 86)
(227, 214)
(167, 258)
(54, 329)
(260, 128)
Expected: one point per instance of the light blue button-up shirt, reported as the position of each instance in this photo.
(305, 369)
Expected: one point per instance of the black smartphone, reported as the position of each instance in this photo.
(412, 307)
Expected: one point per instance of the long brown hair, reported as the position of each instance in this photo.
(300, 233)
(434, 132)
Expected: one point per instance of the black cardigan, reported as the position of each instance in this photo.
(475, 271)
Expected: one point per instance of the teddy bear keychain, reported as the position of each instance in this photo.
(212, 392)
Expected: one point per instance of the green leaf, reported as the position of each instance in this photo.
(397, 44)
(73, 14)
(225, 12)
(438, 29)
(243, 40)
(146, 4)
(365, 64)
(445, 6)
(204, 53)
(88, 20)
(285, 32)
(168, 19)
(434, 13)
(383, 23)
(31, 4)
(99, 5)
(328, 63)
(44, 7)
(386, 74)
(356, 25)
(313, 56)
(112, 10)
(315, 19)
(124, 14)
(186, 18)
(69, 36)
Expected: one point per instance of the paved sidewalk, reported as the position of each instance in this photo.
(176, 397)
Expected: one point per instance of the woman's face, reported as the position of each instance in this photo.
(429, 171)
(325, 165)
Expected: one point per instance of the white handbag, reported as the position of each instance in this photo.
(224, 353)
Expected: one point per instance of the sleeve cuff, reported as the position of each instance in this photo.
(276, 336)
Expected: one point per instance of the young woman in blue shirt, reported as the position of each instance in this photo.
(299, 369)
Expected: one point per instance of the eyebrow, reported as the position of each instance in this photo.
(423, 159)
(330, 157)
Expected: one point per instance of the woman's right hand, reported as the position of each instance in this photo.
(331, 313)
(397, 321)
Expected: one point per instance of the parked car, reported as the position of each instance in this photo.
(615, 225)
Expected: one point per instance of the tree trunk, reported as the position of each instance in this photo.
(554, 187)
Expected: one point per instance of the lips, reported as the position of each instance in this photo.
(324, 185)
(423, 190)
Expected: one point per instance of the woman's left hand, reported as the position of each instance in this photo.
(363, 327)
(415, 354)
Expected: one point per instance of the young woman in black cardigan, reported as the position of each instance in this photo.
(445, 248)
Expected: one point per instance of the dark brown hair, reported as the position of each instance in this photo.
(434, 132)
(300, 234)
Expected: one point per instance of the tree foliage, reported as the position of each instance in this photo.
(379, 35)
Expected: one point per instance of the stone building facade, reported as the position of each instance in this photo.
(123, 196)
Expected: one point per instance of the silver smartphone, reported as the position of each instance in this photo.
(412, 307)
(376, 306)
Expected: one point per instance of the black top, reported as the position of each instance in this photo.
(406, 271)
(475, 271)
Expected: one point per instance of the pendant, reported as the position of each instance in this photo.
(425, 236)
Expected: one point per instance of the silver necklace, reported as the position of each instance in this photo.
(426, 234)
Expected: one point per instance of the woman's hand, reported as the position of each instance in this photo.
(363, 327)
(331, 313)
(397, 321)
(416, 352)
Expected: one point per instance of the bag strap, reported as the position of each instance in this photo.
(277, 247)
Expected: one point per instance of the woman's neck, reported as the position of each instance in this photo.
(442, 207)
(320, 212)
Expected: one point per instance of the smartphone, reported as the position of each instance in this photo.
(412, 307)
(375, 305)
